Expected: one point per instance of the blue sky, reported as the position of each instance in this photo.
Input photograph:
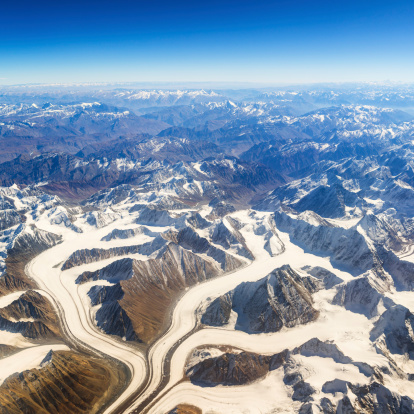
(254, 41)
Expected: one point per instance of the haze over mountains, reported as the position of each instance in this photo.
(223, 250)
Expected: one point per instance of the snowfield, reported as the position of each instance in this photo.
(28, 358)
(349, 330)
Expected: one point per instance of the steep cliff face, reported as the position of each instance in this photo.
(128, 233)
(29, 242)
(9, 218)
(402, 271)
(374, 398)
(230, 366)
(220, 209)
(280, 299)
(210, 366)
(380, 232)
(230, 240)
(63, 216)
(136, 306)
(85, 256)
(266, 228)
(362, 295)
(189, 239)
(358, 249)
(328, 278)
(155, 217)
(32, 315)
(327, 201)
(198, 222)
(100, 219)
(347, 247)
(328, 349)
(113, 273)
(396, 328)
(66, 383)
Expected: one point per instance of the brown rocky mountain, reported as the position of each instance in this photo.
(66, 383)
(283, 298)
(39, 319)
(136, 306)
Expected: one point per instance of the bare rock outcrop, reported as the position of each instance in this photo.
(136, 306)
(229, 366)
(32, 315)
(280, 299)
(67, 383)
(347, 247)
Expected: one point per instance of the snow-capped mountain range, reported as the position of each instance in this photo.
(197, 251)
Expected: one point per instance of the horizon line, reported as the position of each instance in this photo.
(206, 82)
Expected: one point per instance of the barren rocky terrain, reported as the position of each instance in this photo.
(206, 251)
